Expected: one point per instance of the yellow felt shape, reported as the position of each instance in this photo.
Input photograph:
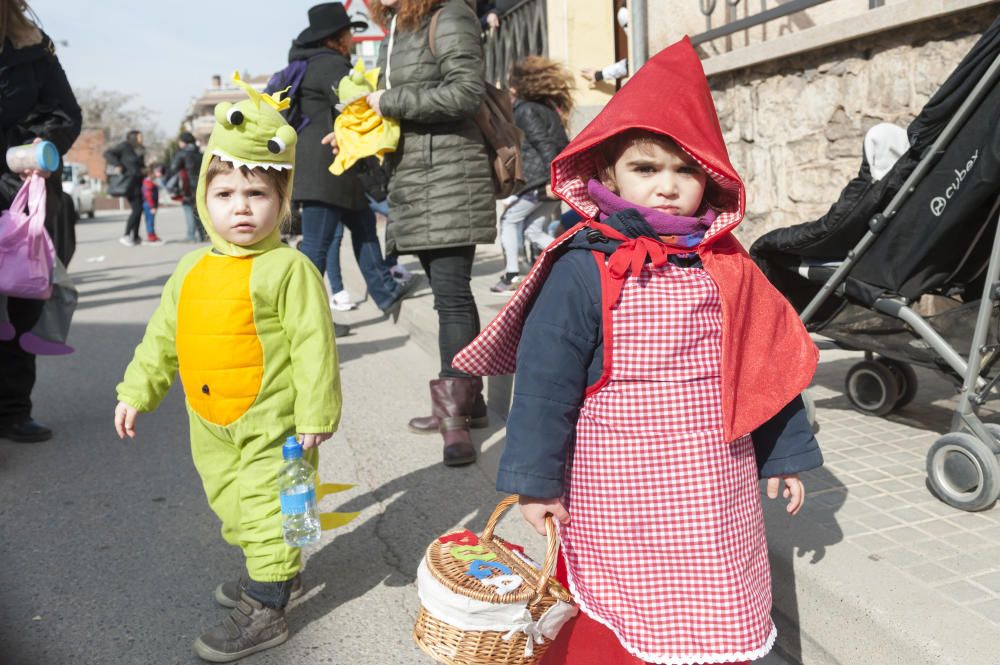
(329, 521)
(218, 350)
(360, 131)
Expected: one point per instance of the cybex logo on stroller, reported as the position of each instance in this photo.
(939, 203)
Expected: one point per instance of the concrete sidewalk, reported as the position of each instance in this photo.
(875, 569)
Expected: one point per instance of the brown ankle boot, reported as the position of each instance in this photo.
(453, 399)
(432, 424)
(249, 628)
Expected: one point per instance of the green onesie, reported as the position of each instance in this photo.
(249, 329)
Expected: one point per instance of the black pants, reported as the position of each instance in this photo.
(449, 271)
(17, 367)
(135, 216)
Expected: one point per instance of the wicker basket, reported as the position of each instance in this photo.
(539, 592)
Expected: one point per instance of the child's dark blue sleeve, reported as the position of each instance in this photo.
(785, 444)
(555, 364)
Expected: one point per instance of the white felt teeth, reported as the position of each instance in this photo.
(238, 163)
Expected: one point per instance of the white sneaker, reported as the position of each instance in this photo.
(400, 274)
(127, 241)
(341, 302)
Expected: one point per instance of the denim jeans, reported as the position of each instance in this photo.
(382, 208)
(320, 223)
(194, 228)
(150, 219)
(528, 216)
(449, 271)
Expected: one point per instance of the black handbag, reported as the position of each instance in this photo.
(374, 178)
(118, 184)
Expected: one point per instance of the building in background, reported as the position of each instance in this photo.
(200, 117)
(796, 89)
(89, 151)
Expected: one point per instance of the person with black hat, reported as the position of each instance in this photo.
(327, 201)
(186, 166)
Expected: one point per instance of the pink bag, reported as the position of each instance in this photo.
(26, 251)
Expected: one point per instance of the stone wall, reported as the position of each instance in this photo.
(795, 127)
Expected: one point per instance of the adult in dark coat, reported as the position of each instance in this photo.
(329, 201)
(128, 159)
(441, 201)
(188, 159)
(36, 102)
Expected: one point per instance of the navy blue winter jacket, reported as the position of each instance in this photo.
(561, 353)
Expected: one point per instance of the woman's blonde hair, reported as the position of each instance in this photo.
(16, 24)
(277, 178)
(538, 79)
(410, 13)
(609, 151)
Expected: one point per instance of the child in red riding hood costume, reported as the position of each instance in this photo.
(657, 375)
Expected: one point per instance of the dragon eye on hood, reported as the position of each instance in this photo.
(276, 145)
(234, 116)
(283, 140)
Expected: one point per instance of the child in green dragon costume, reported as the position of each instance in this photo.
(247, 325)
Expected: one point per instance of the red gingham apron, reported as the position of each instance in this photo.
(666, 544)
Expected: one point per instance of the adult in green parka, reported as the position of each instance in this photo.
(441, 202)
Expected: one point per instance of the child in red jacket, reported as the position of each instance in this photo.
(657, 375)
(151, 202)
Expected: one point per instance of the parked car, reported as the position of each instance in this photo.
(77, 184)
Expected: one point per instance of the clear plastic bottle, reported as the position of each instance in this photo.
(297, 489)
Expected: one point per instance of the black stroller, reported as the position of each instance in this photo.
(862, 275)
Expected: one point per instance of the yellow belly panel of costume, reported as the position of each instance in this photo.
(219, 354)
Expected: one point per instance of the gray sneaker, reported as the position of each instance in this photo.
(227, 594)
(249, 628)
(507, 284)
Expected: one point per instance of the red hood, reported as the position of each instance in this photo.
(668, 95)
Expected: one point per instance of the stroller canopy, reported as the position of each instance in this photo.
(940, 237)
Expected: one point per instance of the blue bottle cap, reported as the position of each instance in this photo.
(292, 449)
(47, 155)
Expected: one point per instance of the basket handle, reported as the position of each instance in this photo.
(551, 549)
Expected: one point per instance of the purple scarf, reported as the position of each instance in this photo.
(677, 231)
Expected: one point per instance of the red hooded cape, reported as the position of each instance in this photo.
(767, 356)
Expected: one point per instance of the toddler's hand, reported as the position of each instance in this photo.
(312, 440)
(794, 491)
(125, 420)
(534, 511)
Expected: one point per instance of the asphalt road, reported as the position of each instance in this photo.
(108, 551)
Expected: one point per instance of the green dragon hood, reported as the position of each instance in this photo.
(249, 133)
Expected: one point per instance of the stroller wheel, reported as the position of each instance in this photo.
(963, 471)
(872, 388)
(906, 380)
(994, 430)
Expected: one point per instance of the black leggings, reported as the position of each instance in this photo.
(449, 271)
(135, 215)
(17, 366)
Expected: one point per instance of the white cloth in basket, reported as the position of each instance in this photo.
(467, 613)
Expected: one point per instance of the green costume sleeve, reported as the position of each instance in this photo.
(305, 317)
(152, 370)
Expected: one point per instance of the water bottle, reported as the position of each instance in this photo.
(43, 156)
(297, 489)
